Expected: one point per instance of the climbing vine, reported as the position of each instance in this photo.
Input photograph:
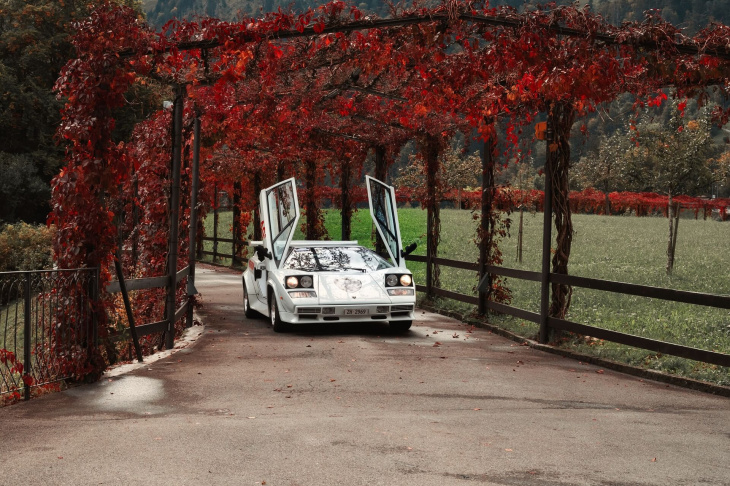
(268, 90)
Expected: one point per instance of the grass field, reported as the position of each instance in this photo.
(619, 248)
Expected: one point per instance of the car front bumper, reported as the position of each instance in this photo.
(312, 314)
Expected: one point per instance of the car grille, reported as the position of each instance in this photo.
(309, 310)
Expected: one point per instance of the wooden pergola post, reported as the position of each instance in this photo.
(191, 290)
(345, 203)
(547, 224)
(381, 172)
(311, 203)
(431, 146)
(256, 215)
(174, 215)
(486, 227)
(237, 230)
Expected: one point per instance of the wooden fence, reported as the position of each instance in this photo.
(551, 323)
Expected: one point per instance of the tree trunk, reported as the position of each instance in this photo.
(561, 117)
(673, 226)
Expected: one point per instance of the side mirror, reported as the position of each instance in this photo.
(262, 253)
(409, 249)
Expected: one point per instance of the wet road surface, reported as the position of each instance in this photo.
(444, 404)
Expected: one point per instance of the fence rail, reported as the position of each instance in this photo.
(47, 327)
(696, 298)
(217, 254)
(147, 283)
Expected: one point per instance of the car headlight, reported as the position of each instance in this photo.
(395, 280)
(292, 282)
(306, 281)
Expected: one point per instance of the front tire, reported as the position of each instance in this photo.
(274, 317)
(247, 309)
(400, 326)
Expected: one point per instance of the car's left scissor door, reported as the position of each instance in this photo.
(279, 217)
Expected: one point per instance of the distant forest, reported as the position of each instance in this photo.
(690, 15)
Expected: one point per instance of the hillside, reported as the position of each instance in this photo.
(690, 15)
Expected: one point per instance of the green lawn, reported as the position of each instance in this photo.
(619, 248)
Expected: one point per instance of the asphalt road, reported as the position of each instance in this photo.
(440, 405)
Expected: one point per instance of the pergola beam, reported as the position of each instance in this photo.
(490, 20)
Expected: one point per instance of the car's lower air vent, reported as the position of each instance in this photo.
(309, 310)
(395, 308)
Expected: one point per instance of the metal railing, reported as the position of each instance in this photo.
(47, 328)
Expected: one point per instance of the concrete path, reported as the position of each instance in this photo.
(441, 405)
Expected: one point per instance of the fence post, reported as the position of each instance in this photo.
(27, 338)
(547, 237)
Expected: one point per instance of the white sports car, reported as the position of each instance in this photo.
(304, 282)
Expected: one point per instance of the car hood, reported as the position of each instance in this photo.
(360, 288)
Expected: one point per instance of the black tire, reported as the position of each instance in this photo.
(247, 310)
(274, 317)
(400, 326)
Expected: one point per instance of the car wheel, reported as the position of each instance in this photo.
(400, 326)
(250, 313)
(274, 318)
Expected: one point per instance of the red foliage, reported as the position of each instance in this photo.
(336, 87)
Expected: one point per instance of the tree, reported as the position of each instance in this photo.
(601, 170)
(458, 170)
(35, 43)
(672, 159)
(721, 175)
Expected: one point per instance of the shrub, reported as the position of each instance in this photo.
(25, 247)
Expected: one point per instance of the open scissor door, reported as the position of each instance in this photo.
(383, 210)
(279, 217)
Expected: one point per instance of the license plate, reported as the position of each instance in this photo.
(356, 312)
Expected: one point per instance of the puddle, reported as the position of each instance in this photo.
(131, 394)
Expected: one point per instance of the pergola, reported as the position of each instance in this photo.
(314, 92)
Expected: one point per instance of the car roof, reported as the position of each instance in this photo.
(321, 243)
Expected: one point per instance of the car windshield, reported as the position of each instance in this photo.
(335, 259)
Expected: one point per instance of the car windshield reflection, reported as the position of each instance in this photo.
(335, 259)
